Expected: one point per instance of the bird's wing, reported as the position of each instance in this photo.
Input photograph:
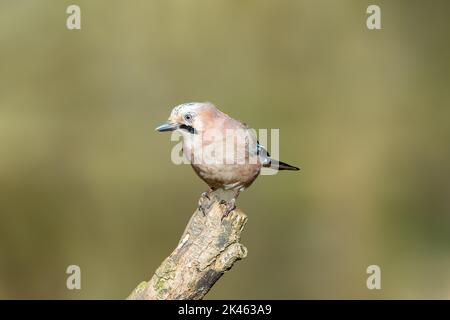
(263, 154)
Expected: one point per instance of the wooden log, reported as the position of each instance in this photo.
(207, 249)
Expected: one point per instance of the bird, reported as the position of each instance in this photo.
(230, 166)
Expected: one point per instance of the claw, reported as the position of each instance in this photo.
(204, 205)
(230, 206)
(205, 195)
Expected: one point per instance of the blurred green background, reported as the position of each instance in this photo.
(85, 180)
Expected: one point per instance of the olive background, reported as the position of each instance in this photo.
(85, 180)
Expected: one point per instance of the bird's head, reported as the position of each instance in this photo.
(189, 118)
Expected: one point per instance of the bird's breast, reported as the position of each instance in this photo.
(221, 165)
(224, 175)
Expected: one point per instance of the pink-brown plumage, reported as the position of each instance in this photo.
(229, 164)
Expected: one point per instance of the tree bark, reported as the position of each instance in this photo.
(208, 248)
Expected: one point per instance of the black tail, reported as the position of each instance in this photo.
(275, 164)
(285, 166)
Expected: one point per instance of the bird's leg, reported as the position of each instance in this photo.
(230, 205)
(204, 204)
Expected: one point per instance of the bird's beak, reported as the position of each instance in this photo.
(168, 126)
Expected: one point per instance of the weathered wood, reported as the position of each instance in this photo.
(208, 248)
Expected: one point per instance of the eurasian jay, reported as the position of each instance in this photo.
(224, 152)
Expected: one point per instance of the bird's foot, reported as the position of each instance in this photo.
(230, 206)
(204, 204)
(205, 195)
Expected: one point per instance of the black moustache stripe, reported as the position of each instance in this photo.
(189, 129)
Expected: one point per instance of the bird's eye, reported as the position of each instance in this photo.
(188, 117)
